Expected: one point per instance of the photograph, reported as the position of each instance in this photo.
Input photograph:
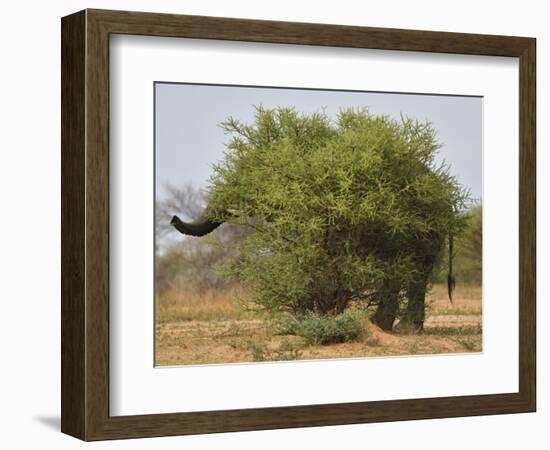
(310, 224)
(274, 223)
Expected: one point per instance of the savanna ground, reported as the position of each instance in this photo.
(213, 328)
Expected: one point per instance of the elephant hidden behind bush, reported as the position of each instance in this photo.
(351, 210)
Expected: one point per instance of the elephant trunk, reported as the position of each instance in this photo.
(450, 277)
(200, 227)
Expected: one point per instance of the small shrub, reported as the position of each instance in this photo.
(468, 344)
(323, 330)
(259, 352)
(287, 351)
(284, 325)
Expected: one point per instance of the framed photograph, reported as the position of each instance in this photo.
(272, 225)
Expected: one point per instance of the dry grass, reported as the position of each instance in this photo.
(466, 301)
(211, 327)
(207, 305)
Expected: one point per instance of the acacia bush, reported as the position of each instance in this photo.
(339, 210)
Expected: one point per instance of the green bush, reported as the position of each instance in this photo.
(336, 208)
(317, 329)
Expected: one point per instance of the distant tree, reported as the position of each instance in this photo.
(186, 199)
(188, 264)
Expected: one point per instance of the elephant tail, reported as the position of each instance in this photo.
(451, 282)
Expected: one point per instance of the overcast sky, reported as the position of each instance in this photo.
(189, 139)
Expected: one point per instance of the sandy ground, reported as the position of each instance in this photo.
(222, 338)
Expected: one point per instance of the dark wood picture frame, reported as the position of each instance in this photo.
(85, 224)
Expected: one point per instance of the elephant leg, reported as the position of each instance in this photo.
(387, 310)
(416, 307)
